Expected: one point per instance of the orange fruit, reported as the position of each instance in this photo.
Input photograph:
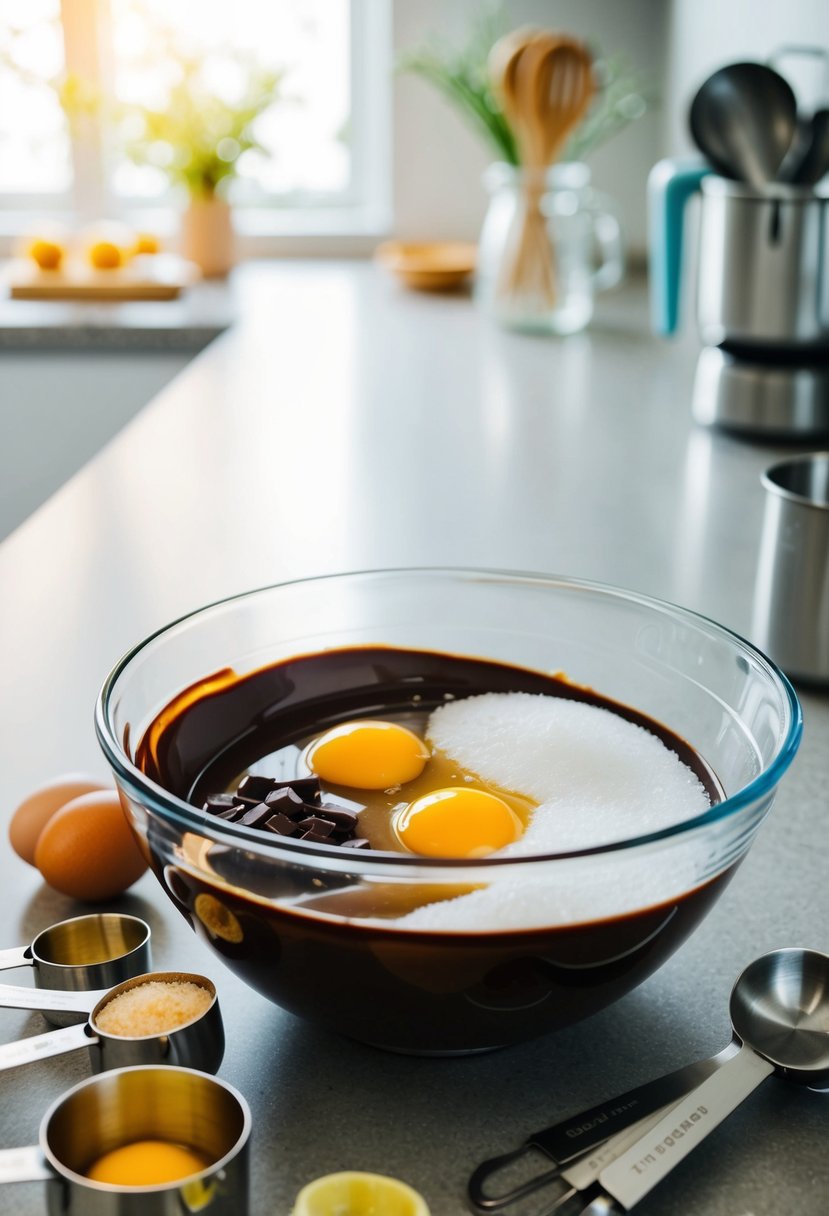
(106, 255)
(146, 242)
(47, 254)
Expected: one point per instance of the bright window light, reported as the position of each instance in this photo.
(35, 153)
(75, 75)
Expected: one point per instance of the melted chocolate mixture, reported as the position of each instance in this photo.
(412, 991)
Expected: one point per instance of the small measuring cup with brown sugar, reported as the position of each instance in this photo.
(88, 954)
(163, 1017)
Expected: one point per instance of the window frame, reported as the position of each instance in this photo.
(350, 223)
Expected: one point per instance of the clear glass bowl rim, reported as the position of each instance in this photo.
(190, 818)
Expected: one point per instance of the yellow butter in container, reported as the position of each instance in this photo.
(352, 1193)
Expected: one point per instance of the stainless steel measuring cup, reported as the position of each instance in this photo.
(198, 1043)
(791, 603)
(780, 1014)
(182, 1106)
(84, 954)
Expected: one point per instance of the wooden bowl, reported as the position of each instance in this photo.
(429, 265)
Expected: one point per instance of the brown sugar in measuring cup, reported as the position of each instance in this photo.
(164, 1017)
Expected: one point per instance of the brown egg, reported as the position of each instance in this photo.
(34, 812)
(87, 849)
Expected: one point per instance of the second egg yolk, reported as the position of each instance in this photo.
(146, 1163)
(457, 823)
(369, 755)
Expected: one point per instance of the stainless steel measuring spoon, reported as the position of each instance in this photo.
(780, 1014)
(130, 1105)
(84, 954)
(198, 1043)
(613, 1124)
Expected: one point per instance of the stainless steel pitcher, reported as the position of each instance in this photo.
(762, 261)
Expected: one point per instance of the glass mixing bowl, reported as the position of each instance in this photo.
(323, 931)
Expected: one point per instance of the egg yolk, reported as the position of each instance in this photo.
(369, 755)
(146, 1163)
(457, 823)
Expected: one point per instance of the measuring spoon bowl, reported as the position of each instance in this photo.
(198, 1043)
(84, 954)
(103, 1113)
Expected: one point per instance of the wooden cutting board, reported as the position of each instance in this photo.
(158, 276)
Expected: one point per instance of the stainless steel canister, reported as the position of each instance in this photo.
(763, 266)
(791, 605)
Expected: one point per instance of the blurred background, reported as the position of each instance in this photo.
(264, 129)
(351, 149)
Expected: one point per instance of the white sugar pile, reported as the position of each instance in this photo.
(596, 777)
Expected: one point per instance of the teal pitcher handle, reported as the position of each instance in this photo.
(670, 184)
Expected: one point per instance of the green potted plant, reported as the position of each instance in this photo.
(197, 138)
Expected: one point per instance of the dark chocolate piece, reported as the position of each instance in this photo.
(281, 825)
(358, 842)
(315, 838)
(308, 788)
(323, 827)
(216, 803)
(342, 819)
(256, 816)
(256, 787)
(285, 800)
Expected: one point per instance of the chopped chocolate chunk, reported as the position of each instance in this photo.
(216, 803)
(323, 827)
(342, 819)
(315, 838)
(308, 788)
(285, 800)
(291, 809)
(256, 816)
(256, 787)
(280, 824)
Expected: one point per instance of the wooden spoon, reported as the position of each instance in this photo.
(545, 83)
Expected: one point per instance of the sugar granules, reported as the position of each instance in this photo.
(153, 1007)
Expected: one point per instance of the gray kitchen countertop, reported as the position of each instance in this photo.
(345, 424)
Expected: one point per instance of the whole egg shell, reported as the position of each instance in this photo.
(35, 811)
(87, 850)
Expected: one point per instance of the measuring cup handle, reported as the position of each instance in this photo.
(40, 1046)
(14, 997)
(23, 1165)
(17, 957)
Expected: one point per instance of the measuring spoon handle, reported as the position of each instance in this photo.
(685, 1126)
(40, 1046)
(14, 997)
(18, 956)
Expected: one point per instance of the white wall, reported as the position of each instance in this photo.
(438, 162)
(705, 34)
